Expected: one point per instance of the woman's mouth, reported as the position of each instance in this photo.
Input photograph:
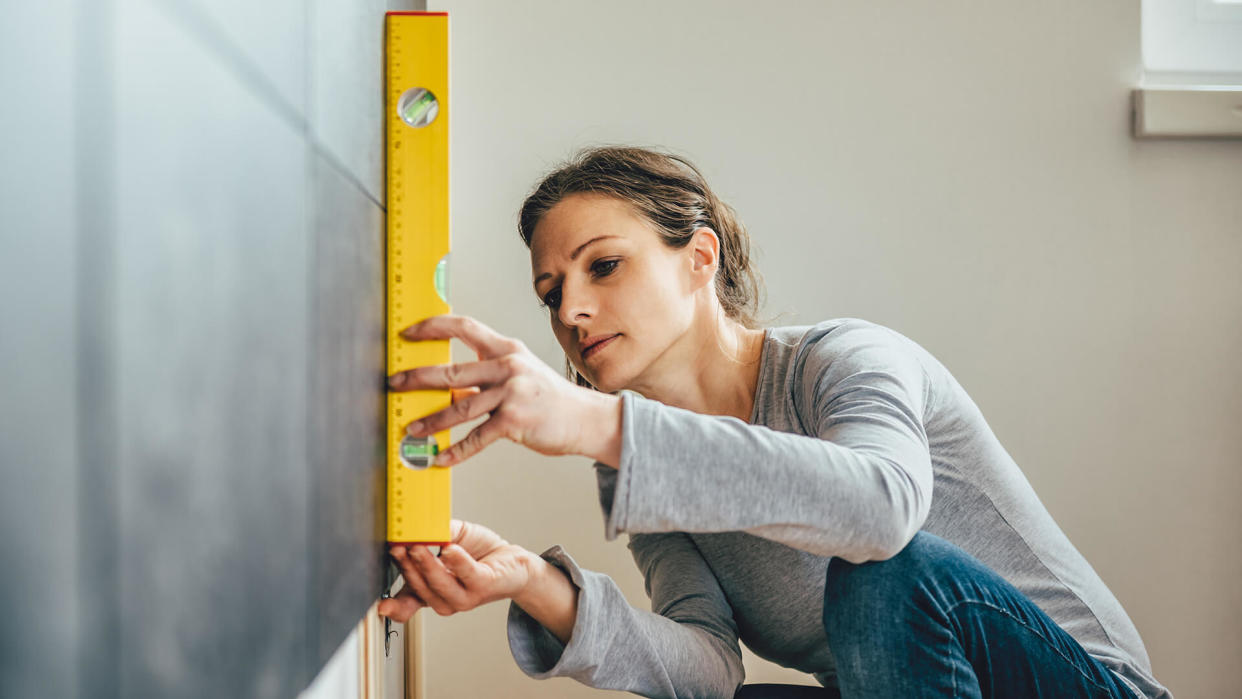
(595, 348)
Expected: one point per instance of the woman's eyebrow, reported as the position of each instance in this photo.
(573, 256)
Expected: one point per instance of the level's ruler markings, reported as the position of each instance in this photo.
(416, 116)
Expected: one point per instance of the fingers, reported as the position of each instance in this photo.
(453, 582)
(459, 530)
(441, 581)
(415, 580)
(473, 443)
(433, 581)
(482, 373)
(475, 539)
(400, 606)
(456, 413)
(459, 562)
(486, 342)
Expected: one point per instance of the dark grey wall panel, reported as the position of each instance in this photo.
(192, 353)
(212, 334)
(347, 408)
(347, 372)
(346, 84)
(38, 400)
(347, 66)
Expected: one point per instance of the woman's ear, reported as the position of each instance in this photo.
(704, 255)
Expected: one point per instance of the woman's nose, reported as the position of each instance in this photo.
(576, 304)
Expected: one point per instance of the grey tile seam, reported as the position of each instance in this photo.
(209, 34)
(331, 159)
(310, 182)
(98, 656)
(212, 37)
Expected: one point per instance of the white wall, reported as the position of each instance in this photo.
(961, 172)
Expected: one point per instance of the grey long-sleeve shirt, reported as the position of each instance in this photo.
(858, 439)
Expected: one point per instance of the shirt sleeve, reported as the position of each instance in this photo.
(685, 647)
(857, 485)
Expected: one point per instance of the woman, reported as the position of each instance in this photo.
(777, 485)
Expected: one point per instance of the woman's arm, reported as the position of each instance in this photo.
(858, 485)
(686, 646)
(603, 427)
(550, 598)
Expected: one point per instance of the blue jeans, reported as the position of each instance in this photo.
(934, 621)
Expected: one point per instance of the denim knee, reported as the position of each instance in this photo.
(886, 586)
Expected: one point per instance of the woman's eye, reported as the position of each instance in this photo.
(605, 267)
(601, 268)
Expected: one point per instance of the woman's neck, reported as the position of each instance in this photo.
(713, 369)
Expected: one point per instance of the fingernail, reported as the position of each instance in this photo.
(415, 427)
(396, 380)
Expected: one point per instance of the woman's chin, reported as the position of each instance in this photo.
(601, 381)
(606, 376)
(601, 386)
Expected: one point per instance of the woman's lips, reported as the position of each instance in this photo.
(595, 348)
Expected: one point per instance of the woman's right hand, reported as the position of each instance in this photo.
(476, 568)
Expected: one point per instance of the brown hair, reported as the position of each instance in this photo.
(671, 193)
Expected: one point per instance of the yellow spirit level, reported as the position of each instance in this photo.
(417, 126)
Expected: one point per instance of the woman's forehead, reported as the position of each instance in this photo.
(587, 208)
(579, 218)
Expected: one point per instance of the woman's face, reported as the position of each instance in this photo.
(604, 273)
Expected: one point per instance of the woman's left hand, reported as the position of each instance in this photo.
(526, 401)
(478, 567)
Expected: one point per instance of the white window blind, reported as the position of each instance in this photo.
(1192, 70)
(1192, 41)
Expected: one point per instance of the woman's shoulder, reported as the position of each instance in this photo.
(839, 338)
(836, 353)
